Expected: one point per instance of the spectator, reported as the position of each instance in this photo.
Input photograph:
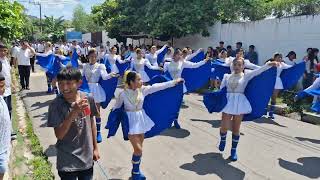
(290, 58)
(5, 129)
(5, 71)
(221, 46)
(238, 47)
(23, 61)
(71, 115)
(230, 52)
(41, 47)
(252, 55)
(209, 53)
(310, 68)
(14, 51)
(108, 47)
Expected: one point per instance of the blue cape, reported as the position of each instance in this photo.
(152, 73)
(313, 92)
(74, 58)
(153, 106)
(199, 57)
(109, 86)
(218, 71)
(161, 55)
(258, 92)
(121, 67)
(51, 64)
(291, 76)
(196, 78)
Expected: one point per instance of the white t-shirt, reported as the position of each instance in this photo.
(14, 51)
(6, 73)
(40, 48)
(23, 57)
(289, 62)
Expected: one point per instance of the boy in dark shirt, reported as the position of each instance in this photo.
(71, 114)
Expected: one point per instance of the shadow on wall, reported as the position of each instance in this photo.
(213, 163)
(305, 166)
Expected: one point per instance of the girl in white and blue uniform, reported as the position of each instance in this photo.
(237, 103)
(93, 71)
(112, 58)
(176, 66)
(153, 55)
(138, 64)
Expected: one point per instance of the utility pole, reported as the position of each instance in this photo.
(39, 4)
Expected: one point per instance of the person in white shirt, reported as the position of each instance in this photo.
(5, 129)
(108, 48)
(75, 46)
(153, 56)
(101, 54)
(14, 51)
(23, 61)
(290, 58)
(41, 47)
(5, 71)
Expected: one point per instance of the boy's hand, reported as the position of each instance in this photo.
(96, 155)
(80, 105)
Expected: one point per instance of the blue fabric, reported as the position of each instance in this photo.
(45, 62)
(196, 78)
(215, 101)
(291, 76)
(170, 98)
(161, 55)
(152, 73)
(74, 58)
(258, 92)
(218, 71)
(51, 64)
(107, 64)
(199, 57)
(122, 67)
(109, 86)
(316, 107)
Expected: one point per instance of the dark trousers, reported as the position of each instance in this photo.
(9, 104)
(32, 63)
(308, 80)
(24, 73)
(80, 175)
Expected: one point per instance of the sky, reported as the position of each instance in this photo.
(57, 8)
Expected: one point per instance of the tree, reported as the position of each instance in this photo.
(11, 20)
(54, 28)
(82, 21)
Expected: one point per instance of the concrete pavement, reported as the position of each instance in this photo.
(280, 149)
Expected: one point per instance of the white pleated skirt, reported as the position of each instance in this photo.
(144, 76)
(97, 92)
(278, 84)
(237, 104)
(139, 122)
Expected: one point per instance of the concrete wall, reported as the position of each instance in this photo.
(86, 37)
(269, 36)
(105, 38)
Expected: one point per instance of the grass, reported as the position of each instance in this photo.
(41, 167)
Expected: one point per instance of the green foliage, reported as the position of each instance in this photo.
(82, 21)
(11, 20)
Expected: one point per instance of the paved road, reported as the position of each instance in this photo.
(281, 149)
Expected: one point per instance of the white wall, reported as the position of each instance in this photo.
(269, 36)
(86, 37)
(106, 38)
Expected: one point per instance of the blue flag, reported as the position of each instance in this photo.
(161, 55)
(199, 57)
(291, 76)
(74, 58)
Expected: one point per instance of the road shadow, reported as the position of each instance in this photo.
(35, 94)
(305, 166)
(213, 163)
(51, 151)
(214, 123)
(264, 120)
(39, 105)
(176, 133)
(314, 141)
(43, 116)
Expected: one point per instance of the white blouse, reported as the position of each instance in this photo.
(237, 83)
(93, 72)
(175, 68)
(138, 65)
(153, 58)
(247, 64)
(133, 99)
(112, 59)
(281, 67)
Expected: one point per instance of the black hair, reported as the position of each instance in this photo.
(2, 78)
(176, 51)
(252, 46)
(3, 46)
(229, 47)
(315, 50)
(69, 74)
(92, 51)
(221, 42)
(131, 77)
(239, 43)
(309, 49)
